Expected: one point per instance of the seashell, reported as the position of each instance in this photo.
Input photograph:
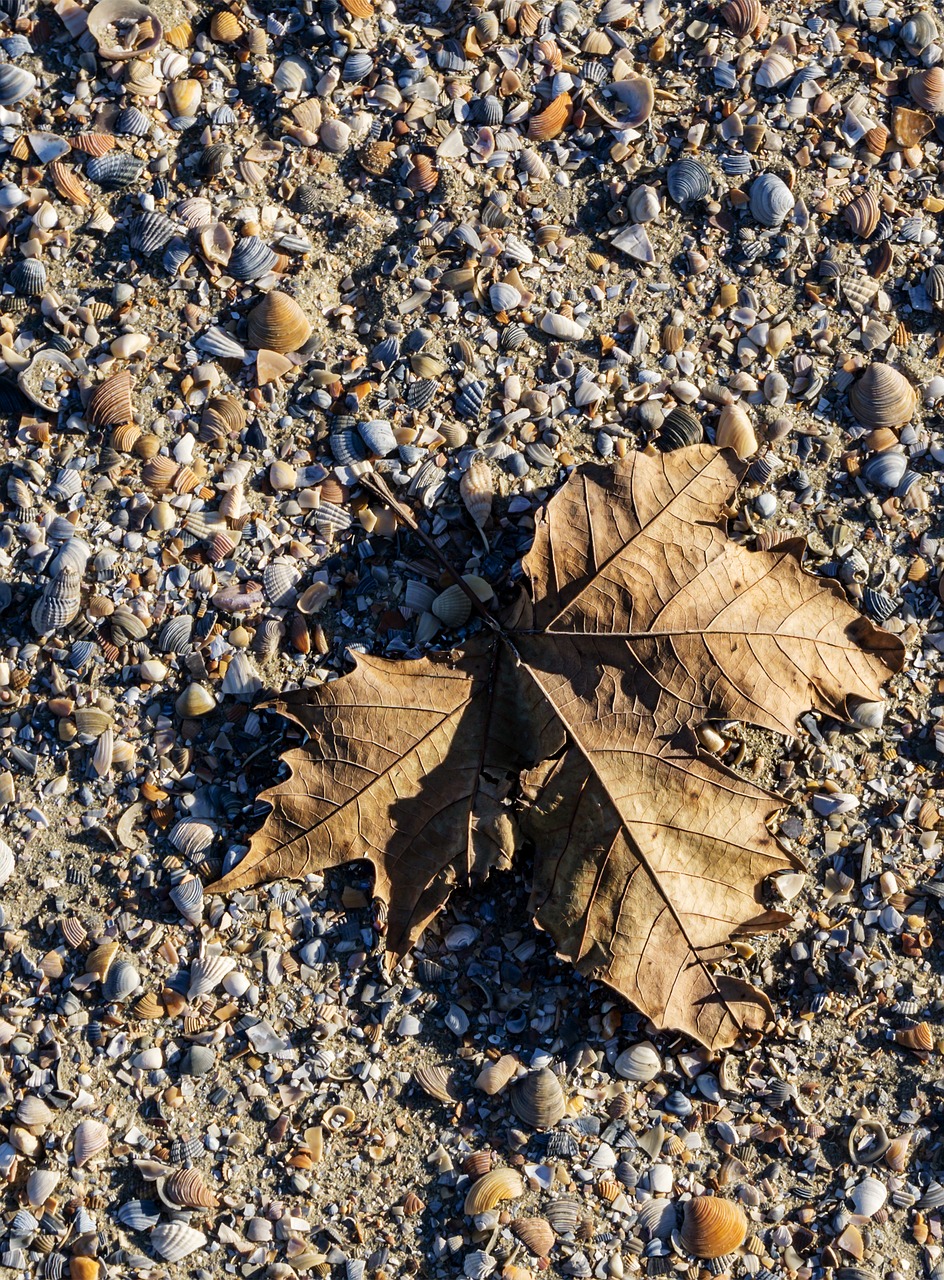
(123, 29)
(28, 278)
(127, 626)
(251, 258)
(149, 232)
(896, 1157)
(280, 579)
(139, 1215)
(45, 379)
(741, 17)
(176, 1240)
(634, 240)
(356, 66)
(16, 83)
(712, 1227)
(183, 97)
(530, 163)
(536, 1234)
(886, 470)
(919, 1039)
(919, 31)
(217, 342)
(774, 70)
(437, 1082)
(640, 1062)
(552, 120)
(495, 1075)
(225, 27)
(638, 95)
(927, 88)
(7, 862)
(736, 431)
(110, 403)
(643, 204)
(421, 394)
(882, 397)
(187, 897)
(862, 214)
(186, 1187)
(934, 286)
(58, 604)
(68, 183)
(679, 428)
(491, 1189)
(122, 982)
(378, 436)
(195, 213)
(195, 701)
(32, 1112)
(133, 121)
(513, 337)
(868, 1196)
(206, 974)
(452, 606)
(687, 181)
(471, 398)
(563, 1215)
(771, 199)
(293, 75)
(223, 416)
(190, 836)
(40, 1185)
(116, 169)
(89, 1140)
(93, 144)
(477, 489)
(504, 297)
(559, 326)
(538, 1099)
(277, 323)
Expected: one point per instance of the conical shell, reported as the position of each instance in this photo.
(110, 403)
(88, 1141)
(277, 323)
(538, 1099)
(882, 397)
(491, 1189)
(712, 1227)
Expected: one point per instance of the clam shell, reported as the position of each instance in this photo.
(16, 83)
(7, 862)
(133, 121)
(563, 1215)
(33, 1112)
(640, 1062)
(187, 897)
(191, 837)
(687, 181)
(771, 199)
(679, 428)
(223, 416)
(536, 1234)
(552, 120)
(495, 1075)
(868, 1196)
(277, 323)
(174, 636)
(736, 431)
(149, 232)
(280, 581)
(538, 1099)
(176, 1240)
(28, 278)
(919, 31)
(634, 240)
(88, 1141)
(184, 97)
(122, 982)
(250, 259)
(934, 285)
(927, 88)
(207, 972)
(643, 204)
(110, 403)
(378, 436)
(886, 470)
(712, 1227)
(774, 70)
(437, 1082)
(123, 29)
(491, 1189)
(40, 1185)
(58, 604)
(504, 297)
(882, 397)
(116, 169)
(741, 17)
(44, 378)
(477, 488)
(862, 214)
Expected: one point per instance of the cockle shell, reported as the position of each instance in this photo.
(223, 415)
(251, 258)
(712, 1227)
(491, 1189)
(736, 431)
(123, 980)
(187, 1188)
(886, 469)
(919, 1039)
(110, 402)
(861, 215)
(33, 1112)
(123, 29)
(207, 972)
(58, 604)
(771, 199)
(437, 1082)
(175, 1240)
(538, 1099)
(687, 181)
(927, 88)
(640, 1062)
(277, 323)
(477, 489)
(90, 1138)
(149, 232)
(116, 169)
(882, 397)
(741, 17)
(187, 897)
(225, 27)
(552, 120)
(536, 1234)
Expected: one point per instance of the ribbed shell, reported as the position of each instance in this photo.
(927, 88)
(250, 259)
(149, 232)
(771, 199)
(679, 428)
(918, 32)
(110, 402)
(882, 397)
(886, 470)
(175, 1240)
(471, 398)
(378, 437)
(90, 1138)
(187, 897)
(277, 323)
(223, 415)
(934, 286)
(123, 980)
(687, 181)
(116, 169)
(536, 1234)
(187, 1187)
(477, 489)
(58, 604)
(712, 1227)
(207, 973)
(741, 17)
(28, 277)
(491, 1189)
(862, 214)
(538, 1099)
(133, 121)
(15, 84)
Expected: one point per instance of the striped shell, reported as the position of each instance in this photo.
(774, 70)
(538, 1099)
(149, 232)
(175, 1240)
(712, 1227)
(88, 1141)
(15, 84)
(58, 604)
(277, 323)
(116, 169)
(736, 431)
(552, 120)
(28, 278)
(679, 428)
(110, 402)
(123, 980)
(861, 215)
(741, 17)
(187, 897)
(771, 199)
(477, 490)
(927, 88)
(207, 973)
(536, 1234)
(687, 181)
(918, 32)
(491, 1189)
(250, 259)
(186, 1187)
(882, 397)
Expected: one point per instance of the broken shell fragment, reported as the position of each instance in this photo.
(124, 29)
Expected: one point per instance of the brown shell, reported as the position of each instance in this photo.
(158, 473)
(125, 436)
(918, 1039)
(187, 1188)
(712, 1227)
(538, 1099)
(882, 397)
(736, 431)
(110, 404)
(222, 416)
(536, 1234)
(93, 144)
(909, 127)
(861, 215)
(376, 157)
(552, 120)
(741, 17)
(927, 88)
(876, 140)
(277, 323)
(68, 183)
(423, 176)
(437, 1081)
(477, 489)
(148, 1007)
(358, 8)
(180, 36)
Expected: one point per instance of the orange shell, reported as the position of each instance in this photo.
(94, 144)
(110, 404)
(552, 120)
(712, 1227)
(68, 183)
(918, 1039)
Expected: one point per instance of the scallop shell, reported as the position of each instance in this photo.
(250, 259)
(110, 403)
(471, 398)
(16, 83)
(491, 1189)
(687, 181)
(88, 1141)
(552, 120)
(217, 342)
(712, 1227)
(538, 1099)
(934, 286)
(225, 27)
(637, 94)
(223, 416)
(123, 29)
(741, 17)
(536, 1234)
(862, 214)
(277, 323)
(58, 604)
(927, 88)
(771, 199)
(452, 606)
(774, 70)
(133, 121)
(280, 581)
(187, 1188)
(175, 1240)
(736, 431)
(116, 169)
(149, 232)
(882, 397)
(207, 972)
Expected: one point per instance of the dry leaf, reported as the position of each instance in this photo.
(642, 621)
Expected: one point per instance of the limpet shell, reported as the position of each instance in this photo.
(491, 1189)
(712, 1227)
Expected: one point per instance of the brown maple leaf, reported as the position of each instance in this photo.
(642, 621)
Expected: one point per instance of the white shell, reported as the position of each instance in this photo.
(187, 897)
(41, 1184)
(643, 204)
(634, 241)
(175, 1240)
(561, 327)
(771, 199)
(208, 972)
(90, 1137)
(775, 69)
(190, 836)
(639, 1062)
(504, 297)
(7, 862)
(868, 1196)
